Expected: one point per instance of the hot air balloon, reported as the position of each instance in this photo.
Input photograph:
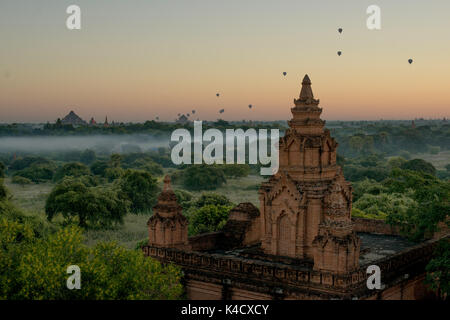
(340, 30)
(339, 53)
(222, 111)
(284, 73)
(249, 106)
(178, 114)
(157, 118)
(217, 94)
(187, 115)
(410, 61)
(193, 111)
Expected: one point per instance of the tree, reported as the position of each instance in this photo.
(147, 165)
(3, 191)
(358, 173)
(384, 137)
(36, 268)
(91, 207)
(367, 186)
(396, 162)
(431, 202)
(209, 218)
(2, 170)
(211, 198)
(115, 160)
(368, 144)
(36, 173)
(73, 169)
(420, 166)
(208, 213)
(99, 167)
(235, 170)
(88, 156)
(184, 198)
(438, 270)
(381, 205)
(356, 143)
(140, 188)
(113, 173)
(22, 181)
(23, 163)
(203, 177)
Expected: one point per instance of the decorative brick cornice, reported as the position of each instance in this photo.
(210, 265)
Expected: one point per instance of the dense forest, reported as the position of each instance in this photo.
(84, 194)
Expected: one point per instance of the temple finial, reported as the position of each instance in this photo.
(166, 183)
(306, 92)
(306, 80)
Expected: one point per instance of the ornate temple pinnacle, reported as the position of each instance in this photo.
(306, 80)
(166, 183)
(306, 92)
(306, 113)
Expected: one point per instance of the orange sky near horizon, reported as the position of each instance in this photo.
(135, 60)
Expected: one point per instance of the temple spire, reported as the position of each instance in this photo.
(306, 113)
(166, 183)
(306, 92)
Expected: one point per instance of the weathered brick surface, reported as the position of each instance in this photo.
(374, 226)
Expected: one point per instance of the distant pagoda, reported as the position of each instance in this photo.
(73, 119)
(182, 119)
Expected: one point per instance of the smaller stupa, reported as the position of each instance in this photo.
(168, 227)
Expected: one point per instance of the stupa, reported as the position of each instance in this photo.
(306, 207)
(167, 226)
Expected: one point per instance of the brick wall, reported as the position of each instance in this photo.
(374, 226)
(204, 242)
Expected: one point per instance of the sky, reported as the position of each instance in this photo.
(134, 60)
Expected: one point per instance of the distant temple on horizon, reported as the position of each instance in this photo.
(182, 119)
(73, 119)
(302, 242)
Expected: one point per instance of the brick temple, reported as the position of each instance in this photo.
(302, 242)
